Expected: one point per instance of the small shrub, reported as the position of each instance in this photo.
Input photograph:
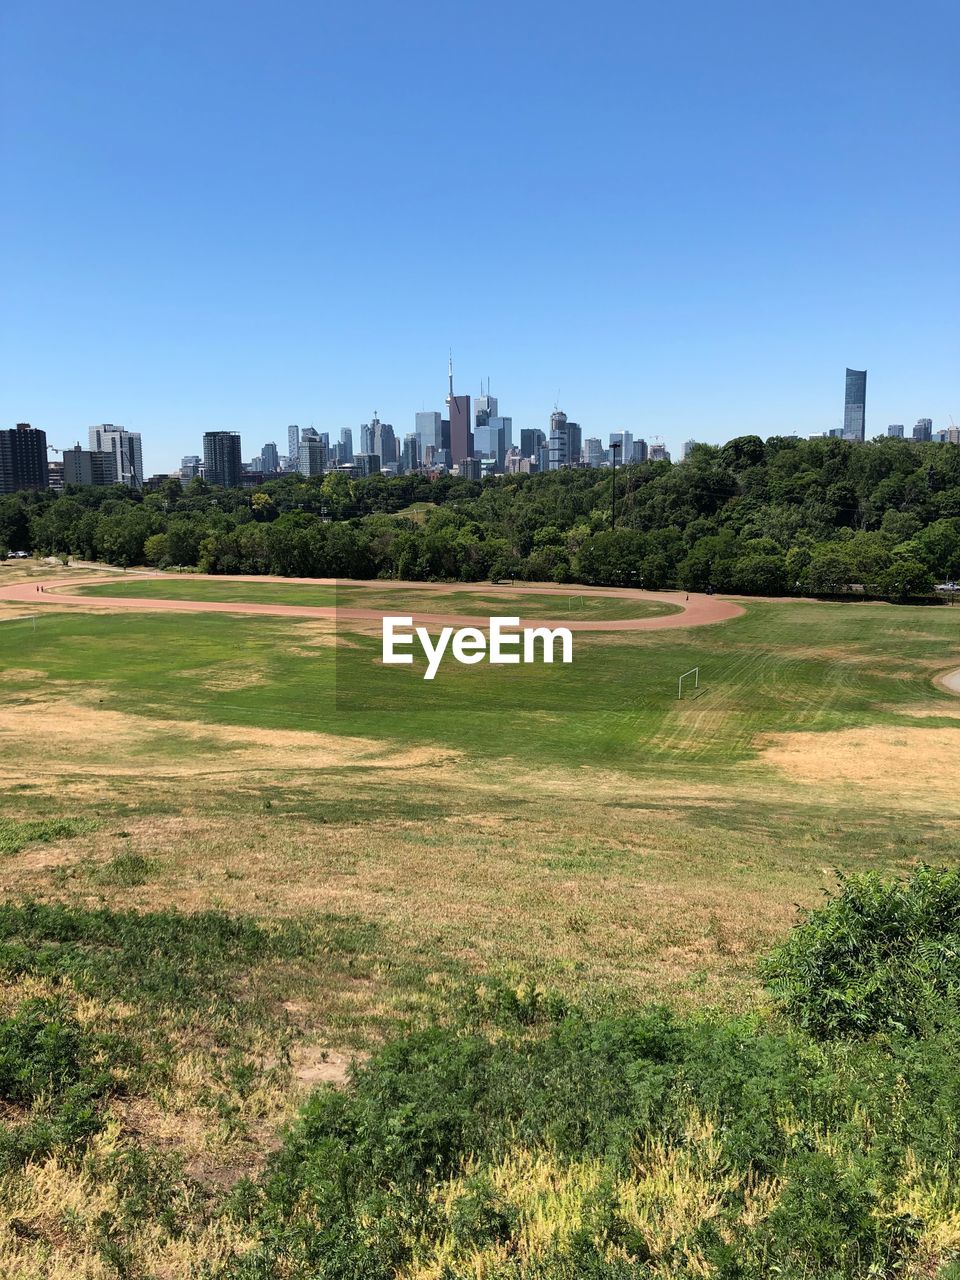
(879, 956)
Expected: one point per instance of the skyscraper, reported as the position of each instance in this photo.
(126, 450)
(23, 459)
(564, 441)
(221, 458)
(311, 455)
(345, 451)
(293, 444)
(854, 405)
(484, 407)
(531, 438)
(593, 452)
(458, 408)
(924, 429)
(411, 451)
(270, 457)
(429, 432)
(895, 430)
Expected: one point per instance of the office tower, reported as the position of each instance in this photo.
(23, 459)
(593, 452)
(484, 407)
(686, 449)
(87, 466)
(531, 438)
(190, 466)
(366, 437)
(854, 405)
(126, 449)
(565, 445)
(221, 458)
(270, 457)
(293, 444)
(382, 441)
(504, 431)
(639, 451)
(895, 430)
(626, 444)
(345, 452)
(411, 451)
(924, 429)
(542, 456)
(429, 432)
(458, 408)
(367, 464)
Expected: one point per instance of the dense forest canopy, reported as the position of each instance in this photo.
(752, 516)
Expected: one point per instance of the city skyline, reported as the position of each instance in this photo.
(870, 424)
(726, 209)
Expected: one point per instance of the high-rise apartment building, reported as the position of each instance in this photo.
(854, 405)
(89, 466)
(221, 458)
(565, 444)
(126, 449)
(293, 444)
(270, 457)
(895, 430)
(311, 455)
(640, 451)
(924, 429)
(190, 467)
(23, 459)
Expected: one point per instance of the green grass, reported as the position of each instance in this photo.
(238, 899)
(559, 605)
(781, 667)
(15, 835)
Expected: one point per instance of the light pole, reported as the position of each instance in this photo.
(614, 446)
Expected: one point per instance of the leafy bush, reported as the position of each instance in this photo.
(880, 956)
(58, 1069)
(600, 1147)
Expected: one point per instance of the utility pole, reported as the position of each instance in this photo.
(614, 446)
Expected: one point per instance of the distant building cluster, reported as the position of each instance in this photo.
(855, 418)
(470, 439)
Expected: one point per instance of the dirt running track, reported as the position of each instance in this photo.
(696, 610)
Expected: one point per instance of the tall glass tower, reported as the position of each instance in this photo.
(854, 405)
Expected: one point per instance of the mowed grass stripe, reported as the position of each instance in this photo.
(781, 667)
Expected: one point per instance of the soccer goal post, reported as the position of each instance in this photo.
(695, 672)
(574, 602)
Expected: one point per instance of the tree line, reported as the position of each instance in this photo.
(752, 516)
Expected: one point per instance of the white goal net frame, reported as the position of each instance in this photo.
(695, 672)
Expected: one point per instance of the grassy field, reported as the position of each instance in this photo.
(455, 600)
(251, 851)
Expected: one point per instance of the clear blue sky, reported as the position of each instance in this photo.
(683, 220)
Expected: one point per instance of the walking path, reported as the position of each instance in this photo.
(695, 610)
